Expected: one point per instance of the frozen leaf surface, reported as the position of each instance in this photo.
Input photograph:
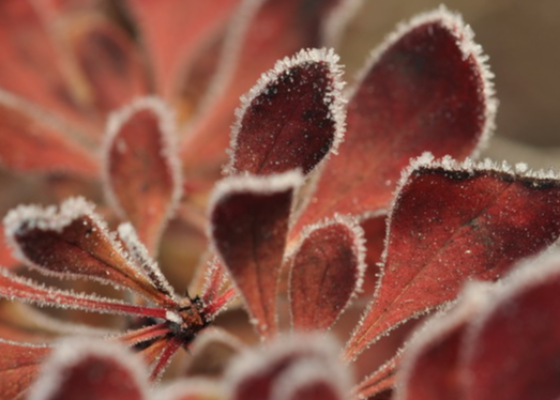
(265, 31)
(13, 287)
(451, 223)
(426, 89)
(249, 217)
(74, 242)
(326, 271)
(292, 118)
(141, 167)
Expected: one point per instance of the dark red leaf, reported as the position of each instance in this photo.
(109, 63)
(326, 272)
(13, 287)
(291, 118)
(426, 89)
(512, 350)
(141, 168)
(288, 368)
(74, 242)
(33, 141)
(90, 369)
(174, 30)
(19, 366)
(249, 217)
(381, 381)
(452, 223)
(265, 31)
(430, 366)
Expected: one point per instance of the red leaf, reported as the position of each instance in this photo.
(13, 287)
(36, 68)
(7, 260)
(326, 272)
(249, 217)
(33, 141)
(141, 168)
(288, 368)
(109, 64)
(291, 118)
(426, 89)
(19, 366)
(265, 31)
(512, 350)
(379, 385)
(174, 30)
(98, 370)
(451, 223)
(430, 366)
(74, 242)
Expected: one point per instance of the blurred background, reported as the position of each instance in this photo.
(522, 39)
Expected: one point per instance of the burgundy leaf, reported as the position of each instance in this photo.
(74, 242)
(430, 366)
(33, 141)
(141, 168)
(211, 352)
(264, 32)
(109, 64)
(90, 369)
(172, 345)
(291, 118)
(19, 366)
(327, 271)
(13, 287)
(163, 22)
(379, 385)
(287, 369)
(512, 350)
(249, 217)
(426, 89)
(451, 223)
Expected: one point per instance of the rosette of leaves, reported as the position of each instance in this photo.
(287, 203)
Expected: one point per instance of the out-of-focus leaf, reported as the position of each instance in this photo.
(511, 351)
(451, 223)
(249, 217)
(141, 168)
(81, 369)
(33, 141)
(430, 366)
(19, 366)
(174, 30)
(289, 368)
(108, 62)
